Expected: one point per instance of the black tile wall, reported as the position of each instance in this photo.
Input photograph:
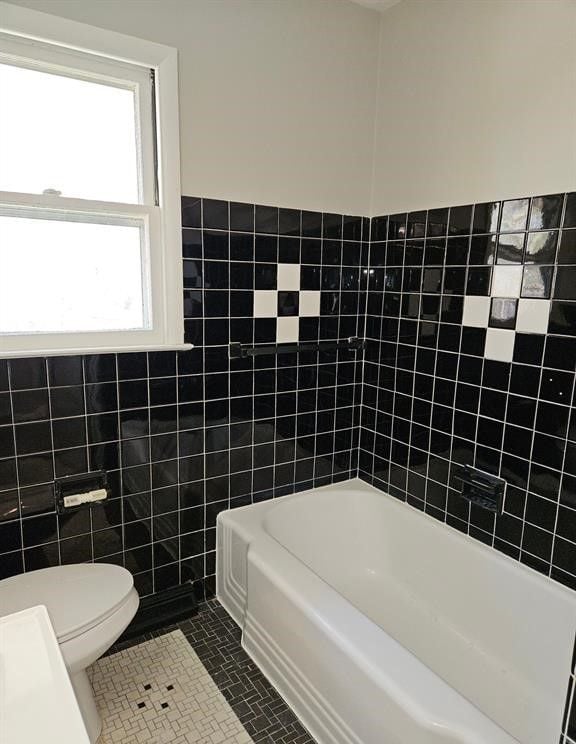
(185, 435)
(433, 400)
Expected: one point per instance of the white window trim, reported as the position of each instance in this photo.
(167, 297)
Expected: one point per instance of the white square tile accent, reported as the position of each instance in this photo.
(476, 311)
(159, 692)
(532, 315)
(265, 303)
(309, 303)
(499, 344)
(506, 281)
(287, 330)
(288, 277)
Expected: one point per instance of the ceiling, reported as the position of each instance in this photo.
(380, 5)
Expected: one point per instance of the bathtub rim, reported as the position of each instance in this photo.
(248, 525)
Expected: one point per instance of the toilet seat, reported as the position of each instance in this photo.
(78, 597)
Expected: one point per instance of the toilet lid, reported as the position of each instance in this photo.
(77, 597)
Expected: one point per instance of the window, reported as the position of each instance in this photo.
(89, 190)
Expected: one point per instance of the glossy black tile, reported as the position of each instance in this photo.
(266, 219)
(7, 445)
(8, 477)
(193, 303)
(562, 318)
(537, 281)
(215, 214)
(27, 373)
(457, 249)
(70, 462)
(4, 385)
(352, 228)
(514, 215)
(567, 248)
(557, 386)
(132, 366)
(541, 247)
(39, 530)
(529, 348)
(288, 250)
(437, 222)
(560, 353)
(460, 220)
(289, 222)
(486, 217)
(216, 276)
(503, 313)
(192, 244)
(66, 402)
(10, 536)
(545, 212)
(191, 211)
(192, 274)
(65, 371)
(30, 405)
(100, 368)
(216, 245)
(510, 248)
(565, 283)
(101, 397)
(34, 437)
(479, 280)
(311, 224)
(5, 409)
(431, 280)
(241, 247)
(332, 225)
(69, 432)
(482, 250)
(241, 217)
(570, 210)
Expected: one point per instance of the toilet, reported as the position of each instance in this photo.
(90, 605)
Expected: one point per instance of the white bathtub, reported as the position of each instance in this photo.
(380, 625)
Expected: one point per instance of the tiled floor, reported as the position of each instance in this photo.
(159, 692)
(216, 640)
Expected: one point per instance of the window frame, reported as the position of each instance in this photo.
(159, 197)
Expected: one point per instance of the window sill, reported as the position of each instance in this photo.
(97, 350)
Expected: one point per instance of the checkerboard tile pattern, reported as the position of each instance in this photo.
(509, 288)
(160, 692)
(287, 303)
(215, 638)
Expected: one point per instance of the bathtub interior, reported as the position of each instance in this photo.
(498, 633)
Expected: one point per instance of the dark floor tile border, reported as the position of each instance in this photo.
(216, 640)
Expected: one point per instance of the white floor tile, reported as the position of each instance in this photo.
(159, 692)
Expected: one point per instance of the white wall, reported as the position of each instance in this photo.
(476, 101)
(277, 96)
